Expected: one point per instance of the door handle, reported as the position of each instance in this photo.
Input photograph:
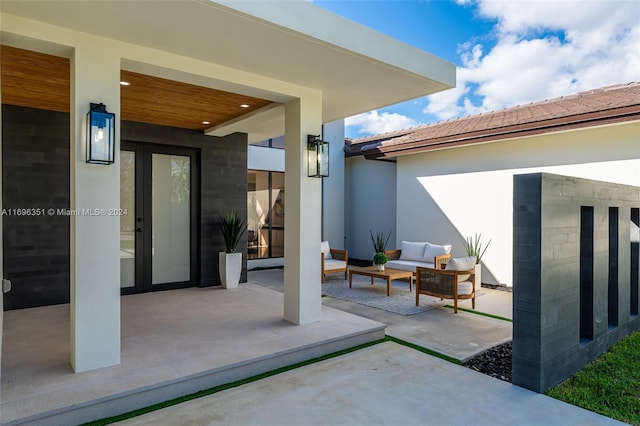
(138, 229)
(6, 285)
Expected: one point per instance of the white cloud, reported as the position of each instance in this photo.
(544, 49)
(373, 122)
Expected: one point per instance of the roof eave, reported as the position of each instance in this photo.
(598, 118)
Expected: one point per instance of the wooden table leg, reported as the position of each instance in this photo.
(388, 286)
(410, 283)
(371, 280)
(350, 277)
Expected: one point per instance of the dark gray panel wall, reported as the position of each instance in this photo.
(223, 185)
(35, 175)
(547, 213)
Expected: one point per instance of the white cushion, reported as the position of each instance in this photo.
(412, 251)
(324, 248)
(331, 264)
(465, 287)
(432, 250)
(461, 264)
(407, 265)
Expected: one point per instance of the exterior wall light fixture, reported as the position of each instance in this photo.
(318, 153)
(100, 135)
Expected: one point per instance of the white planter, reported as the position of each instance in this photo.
(230, 265)
(478, 269)
(379, 267)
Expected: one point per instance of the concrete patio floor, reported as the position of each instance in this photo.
(173, 343)
(178, 342)
(388, 383)
(385, 384)
(460, 336)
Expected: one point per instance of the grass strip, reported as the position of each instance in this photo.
(609, 385)
(423, 350)
(226, 386)
(484, 314)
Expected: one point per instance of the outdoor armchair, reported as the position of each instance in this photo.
(332, 260)
(457, 281)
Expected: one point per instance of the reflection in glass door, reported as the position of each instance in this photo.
(171, 195)
(265, 215)
(158, 239)
(127, 220)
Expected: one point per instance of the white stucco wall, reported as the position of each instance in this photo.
(333, 213)
(267, 159)
(370, 191)
(444, 196)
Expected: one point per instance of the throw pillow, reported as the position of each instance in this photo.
(461, 264)
(432, 250)
(412, 251)
(324, 248)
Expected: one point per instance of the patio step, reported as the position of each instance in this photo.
(134, 399)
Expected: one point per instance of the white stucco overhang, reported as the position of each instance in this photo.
(356, 68)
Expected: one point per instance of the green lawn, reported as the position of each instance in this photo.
(609, 385)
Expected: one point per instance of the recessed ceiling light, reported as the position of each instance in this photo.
(125, 83)
(244, 106)
(206, 122)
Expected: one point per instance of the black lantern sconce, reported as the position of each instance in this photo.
(318, 152)
(100, 135)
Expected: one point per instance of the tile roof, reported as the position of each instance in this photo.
(612, 104)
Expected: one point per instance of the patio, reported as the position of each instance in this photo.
(173, 343)
(182, 341)
(432, 325)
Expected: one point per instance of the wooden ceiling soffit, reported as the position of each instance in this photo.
(42, 81)
(35, 80)
(155, 100)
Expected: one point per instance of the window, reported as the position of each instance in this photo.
(271, 143)
(265, 216)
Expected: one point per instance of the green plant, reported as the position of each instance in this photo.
(380, 258)
(379, 242)
(232, 227)
(473, 247)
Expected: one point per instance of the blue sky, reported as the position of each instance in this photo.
(506, 52)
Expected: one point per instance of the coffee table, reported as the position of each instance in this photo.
(388, 274)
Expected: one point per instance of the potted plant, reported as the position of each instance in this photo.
(232, 227)
(379, 245)
(474, 247)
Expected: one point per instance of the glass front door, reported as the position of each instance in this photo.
(158, 247)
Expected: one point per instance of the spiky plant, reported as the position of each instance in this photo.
(232, 227)
(473, 247)
(379, 242)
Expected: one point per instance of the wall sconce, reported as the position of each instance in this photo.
(318, 152)
(100, 135)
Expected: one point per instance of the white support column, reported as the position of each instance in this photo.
(95, 243)
(302, 292)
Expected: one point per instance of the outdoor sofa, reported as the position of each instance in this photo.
(412, 255)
